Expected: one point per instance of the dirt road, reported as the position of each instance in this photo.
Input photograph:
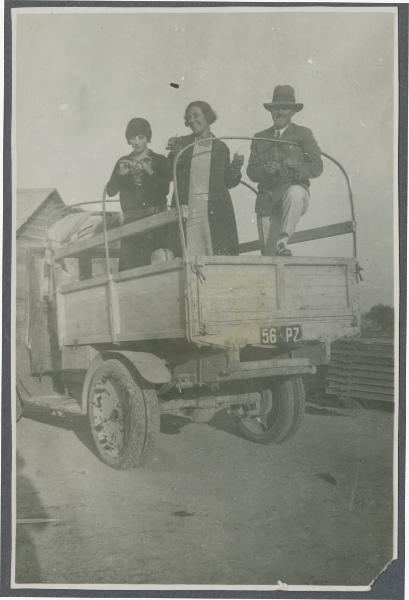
(211, 508)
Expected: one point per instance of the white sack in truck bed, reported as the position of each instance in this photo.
(73, 227)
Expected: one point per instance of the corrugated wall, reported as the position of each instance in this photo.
(361, 371)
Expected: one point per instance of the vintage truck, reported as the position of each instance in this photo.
(191, 335)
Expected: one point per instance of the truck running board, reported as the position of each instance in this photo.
(58, 403)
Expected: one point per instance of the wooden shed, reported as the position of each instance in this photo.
(34, 214)
(36, 210)
(38, 359)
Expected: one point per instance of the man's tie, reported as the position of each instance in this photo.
(275, 152)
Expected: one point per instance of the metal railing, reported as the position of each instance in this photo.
(301, 236)
(336, 229)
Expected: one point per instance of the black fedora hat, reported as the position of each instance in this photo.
(283, 95)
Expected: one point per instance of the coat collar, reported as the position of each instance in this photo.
(288, 132)
(149, 152)
(189, 139)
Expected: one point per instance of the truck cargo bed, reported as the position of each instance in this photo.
(217, 299)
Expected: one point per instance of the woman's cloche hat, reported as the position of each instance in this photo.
(283, 95)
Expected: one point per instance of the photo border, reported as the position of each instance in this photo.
(389, 584)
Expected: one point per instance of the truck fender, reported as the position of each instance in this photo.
(150, 367)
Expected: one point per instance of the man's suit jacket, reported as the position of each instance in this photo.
(272, 187)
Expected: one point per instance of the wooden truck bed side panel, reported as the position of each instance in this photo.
(237, 296)
(242, 294)
(149, 302)
(311, 288)
(152, 306)
(86, 317)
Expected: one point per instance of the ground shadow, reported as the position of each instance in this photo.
(326, 411)
(225, 421)
(172, 424)
(349, 406)
(78, 424)
(30, 517)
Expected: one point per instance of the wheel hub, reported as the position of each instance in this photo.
(256, 415)
(108, 418)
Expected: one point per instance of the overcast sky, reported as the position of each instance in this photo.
(81, 77)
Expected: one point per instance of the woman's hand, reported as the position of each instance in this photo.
(135, 168)
(124, 167)
(238, 161)
(175, 144)
(146, 165)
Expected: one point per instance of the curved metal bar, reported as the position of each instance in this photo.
(272, 141)
(175, 183)
(59, 210)
(350, 196)
(247, 185)
(110, 288)
(177, 200)
(104, 222)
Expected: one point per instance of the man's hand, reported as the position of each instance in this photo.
(238, 161)
(272, 167)
(292, 163)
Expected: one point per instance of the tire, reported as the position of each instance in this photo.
(123, 415)
(279, 415)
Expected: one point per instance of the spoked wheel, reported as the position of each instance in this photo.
(277, 415)
(123, 415)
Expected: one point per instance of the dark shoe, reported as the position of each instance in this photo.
(282, 250)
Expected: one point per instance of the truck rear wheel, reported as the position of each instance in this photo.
(277, 415)
(123, 415)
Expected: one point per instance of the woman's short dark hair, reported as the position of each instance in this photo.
(138, 126)
(206, 109)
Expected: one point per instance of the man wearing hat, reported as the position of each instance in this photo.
(282, 171)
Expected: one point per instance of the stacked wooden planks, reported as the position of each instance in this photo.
(362, 370)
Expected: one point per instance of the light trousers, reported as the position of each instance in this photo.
(284, 219)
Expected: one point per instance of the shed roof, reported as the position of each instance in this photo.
(31, 199)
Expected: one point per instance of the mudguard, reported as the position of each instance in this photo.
(150, 367)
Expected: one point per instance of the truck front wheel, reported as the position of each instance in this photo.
(276, 417)
(123, 415)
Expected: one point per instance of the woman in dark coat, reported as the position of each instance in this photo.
(204, 176)
(142, 179)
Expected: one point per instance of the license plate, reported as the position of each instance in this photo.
(277, 335)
